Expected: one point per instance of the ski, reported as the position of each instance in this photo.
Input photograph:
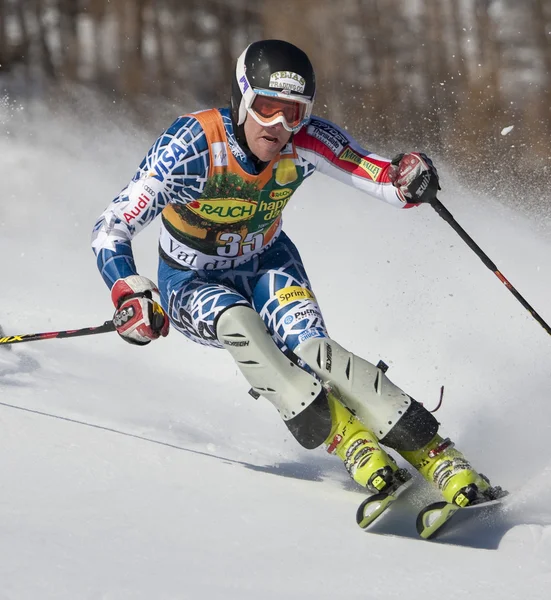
(433, 517)
(376, 504)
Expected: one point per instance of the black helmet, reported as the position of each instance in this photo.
(278, 70)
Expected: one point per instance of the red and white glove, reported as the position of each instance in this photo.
(415, 177)
(139, 317)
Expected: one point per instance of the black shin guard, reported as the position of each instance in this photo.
(312, 426)
(416, 428)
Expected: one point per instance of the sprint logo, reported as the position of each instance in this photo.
(293, 293)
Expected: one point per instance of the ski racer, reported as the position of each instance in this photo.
(230, 278)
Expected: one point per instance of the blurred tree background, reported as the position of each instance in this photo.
(445, 76)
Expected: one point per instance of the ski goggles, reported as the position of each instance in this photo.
(268, 110)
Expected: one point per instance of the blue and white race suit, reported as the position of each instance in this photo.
(221, 240)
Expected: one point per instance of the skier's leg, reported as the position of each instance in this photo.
(193, 303)
(283, 297)
(208, 311)
(368, 393)
(297, 395)
(398, 420)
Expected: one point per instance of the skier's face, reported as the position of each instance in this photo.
(265, 142)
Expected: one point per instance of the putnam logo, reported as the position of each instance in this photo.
(281, 194)
(371, 169)
(223, 210)
(293, 293)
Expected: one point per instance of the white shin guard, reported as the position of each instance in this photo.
(364, 388)
(297, 395)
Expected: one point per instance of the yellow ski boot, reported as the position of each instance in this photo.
(366, 462)
(444, 466)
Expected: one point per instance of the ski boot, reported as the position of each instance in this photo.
(366, 462)
(444, 466)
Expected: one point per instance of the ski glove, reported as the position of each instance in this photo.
(415, 177)
(139, 317)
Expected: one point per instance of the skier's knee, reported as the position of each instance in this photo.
(297, 395)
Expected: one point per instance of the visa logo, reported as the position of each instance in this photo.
(166, 161)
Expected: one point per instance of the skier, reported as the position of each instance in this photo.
(230, 278)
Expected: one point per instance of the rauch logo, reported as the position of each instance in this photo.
(224, 210)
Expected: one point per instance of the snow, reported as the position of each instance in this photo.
(150, 473)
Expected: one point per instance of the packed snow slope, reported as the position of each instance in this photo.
(149, 472)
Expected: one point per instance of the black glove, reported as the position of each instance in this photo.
(415, 177)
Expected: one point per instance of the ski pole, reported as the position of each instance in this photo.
(32, 337)
(448, 217)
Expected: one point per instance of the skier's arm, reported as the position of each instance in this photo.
(406, 181)
(169, 173)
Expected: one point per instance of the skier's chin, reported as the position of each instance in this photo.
(267, 147)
